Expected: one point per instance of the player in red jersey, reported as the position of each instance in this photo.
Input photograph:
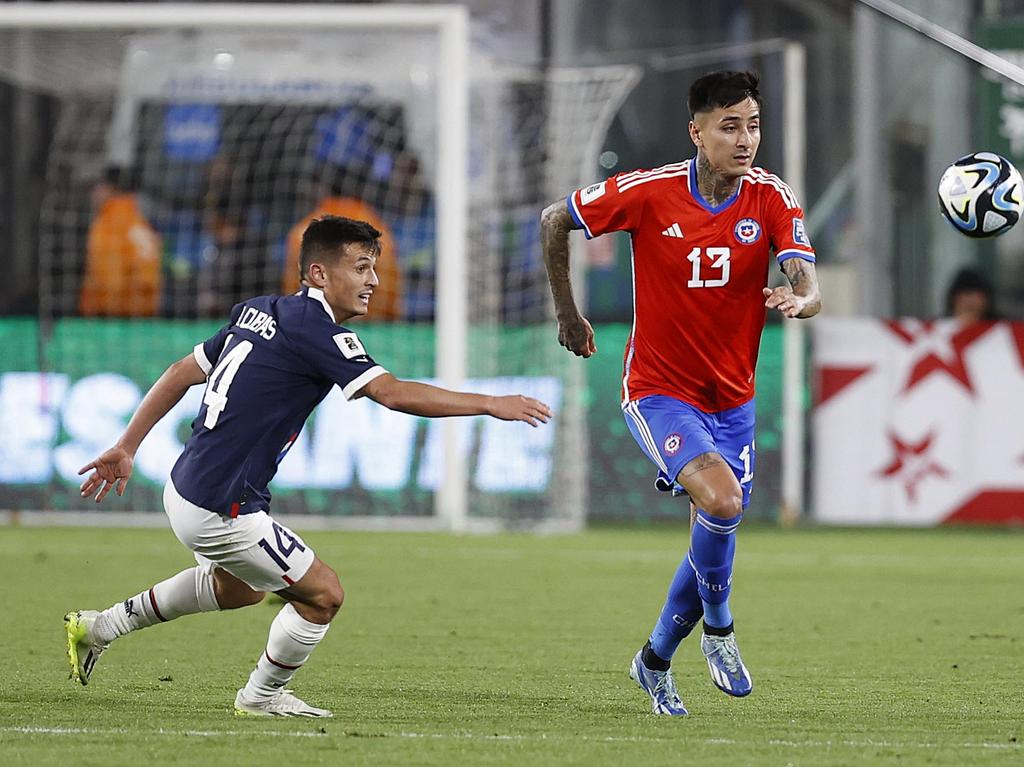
(703, 232)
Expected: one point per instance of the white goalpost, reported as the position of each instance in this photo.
(232, 122)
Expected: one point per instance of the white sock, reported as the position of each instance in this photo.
(292, 640)
(188, 592)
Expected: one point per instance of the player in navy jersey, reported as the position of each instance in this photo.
(265, 371)
(702, 233)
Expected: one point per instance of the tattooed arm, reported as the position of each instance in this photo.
(574, 331)
(801, 300)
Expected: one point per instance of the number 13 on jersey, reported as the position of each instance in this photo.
(715, 275)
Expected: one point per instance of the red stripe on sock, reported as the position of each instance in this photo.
(282, 665)
(288, 580)
(152, 601)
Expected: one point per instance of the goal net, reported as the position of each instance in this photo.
(182, 162)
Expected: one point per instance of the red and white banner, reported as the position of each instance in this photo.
(918, 423)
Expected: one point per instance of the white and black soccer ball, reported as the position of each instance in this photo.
(981, 195)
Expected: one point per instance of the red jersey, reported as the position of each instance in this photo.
(698, 272)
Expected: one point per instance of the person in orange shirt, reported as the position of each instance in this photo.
(122, 262)
(339, 201)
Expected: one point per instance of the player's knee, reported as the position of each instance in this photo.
(725, 505)
(329, 601)
(334, 598)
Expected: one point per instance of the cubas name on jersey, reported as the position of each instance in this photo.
(258, 322)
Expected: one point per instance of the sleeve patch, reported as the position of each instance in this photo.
(591, 193)
(349, 345)
(799, 233)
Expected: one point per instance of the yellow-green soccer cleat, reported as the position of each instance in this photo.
(83, 648)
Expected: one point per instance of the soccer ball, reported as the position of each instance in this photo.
(981, 195)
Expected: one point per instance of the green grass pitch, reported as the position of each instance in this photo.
(866, 647)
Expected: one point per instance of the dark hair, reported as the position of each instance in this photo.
(121, 177)
(327, 236)
(971, 281)
(723, 89)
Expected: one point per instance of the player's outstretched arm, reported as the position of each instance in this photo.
(433, 401)
(803, 299)
(574, 331)
(113, 468)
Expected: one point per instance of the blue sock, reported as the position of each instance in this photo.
(682, 611)
(712, 547)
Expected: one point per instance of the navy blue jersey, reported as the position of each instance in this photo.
(274, 361)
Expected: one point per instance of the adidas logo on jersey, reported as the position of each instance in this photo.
(674, 231)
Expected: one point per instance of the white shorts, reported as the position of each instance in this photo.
(252, 547)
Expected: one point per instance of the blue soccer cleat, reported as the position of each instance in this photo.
(725, 664)
(659, 685)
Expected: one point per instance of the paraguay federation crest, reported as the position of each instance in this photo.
(747, 231)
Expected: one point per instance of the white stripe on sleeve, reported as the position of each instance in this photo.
(200, 354)
(358, 383)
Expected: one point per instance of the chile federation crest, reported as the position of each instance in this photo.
(747, 231)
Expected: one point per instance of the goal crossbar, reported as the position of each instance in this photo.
(240, 15)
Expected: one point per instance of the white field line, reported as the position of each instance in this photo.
(189, 733)
(28, 730)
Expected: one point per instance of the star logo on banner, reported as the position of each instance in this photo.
(940, 348)
(911, 464)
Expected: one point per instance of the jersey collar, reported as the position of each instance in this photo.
(318, 295)
(695, 192)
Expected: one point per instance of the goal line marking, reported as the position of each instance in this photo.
(867, 742)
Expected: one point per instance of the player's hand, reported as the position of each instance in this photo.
(113, 469)
(785, 300)
(516, 407)
(577, 336)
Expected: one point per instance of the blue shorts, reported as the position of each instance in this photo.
(672, 433)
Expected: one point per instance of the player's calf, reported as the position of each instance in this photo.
(90, 632)
(312, 602)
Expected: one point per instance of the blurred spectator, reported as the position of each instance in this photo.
(414, 231)
(229, 272)
(970, 298)
(342, 197)
(123, 254)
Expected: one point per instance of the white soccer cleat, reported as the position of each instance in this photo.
(282, 704)
(83, 647)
